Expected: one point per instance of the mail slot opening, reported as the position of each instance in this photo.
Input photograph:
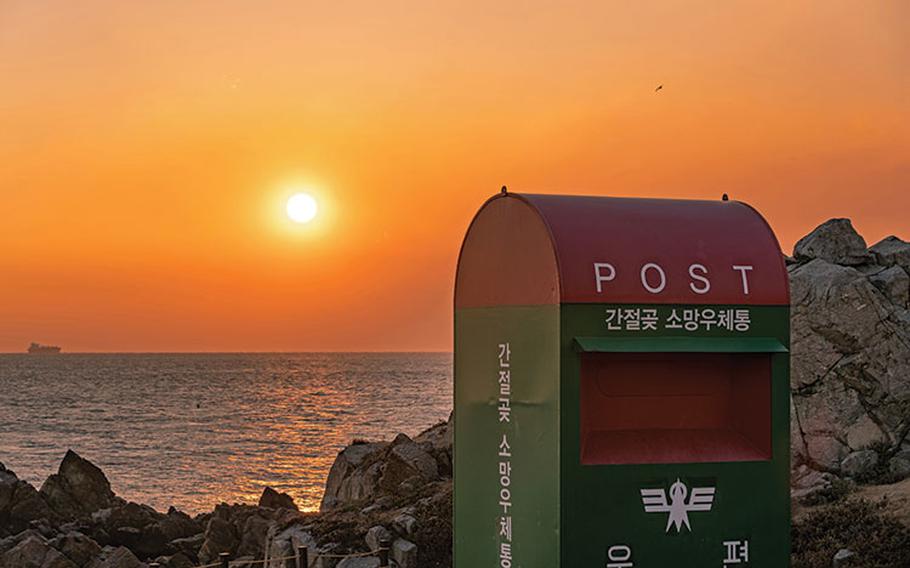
(639, 408)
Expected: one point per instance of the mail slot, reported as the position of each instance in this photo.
(621, 385)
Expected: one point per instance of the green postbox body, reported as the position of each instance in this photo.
(621, 386)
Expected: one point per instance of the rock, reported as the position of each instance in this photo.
(178, 560)
(405, 467)
(858, 463)
(21, 506)
(349, 480)
(844, 558)
(438, 441)
(835, 241)
(252, 536)
(414, 457)
(177, 524)
(275, 500)
(219, 537)
(286, 541)
(8, 481)
(850, 365)
(119, 557)
(79, 487)
(899, 468)
(139, 528)
(404, 553)
(894, 284)
(77, 547)
(189, 546)
(376, 535)
(33, 552)
(359, 562)
(24, 506)
(404, 524)
(892, 251)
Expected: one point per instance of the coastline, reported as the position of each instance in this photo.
(397, 492)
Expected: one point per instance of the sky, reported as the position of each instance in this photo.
(147, 149)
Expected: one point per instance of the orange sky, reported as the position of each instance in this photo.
(147, 148)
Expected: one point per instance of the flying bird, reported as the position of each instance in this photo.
(659, 87)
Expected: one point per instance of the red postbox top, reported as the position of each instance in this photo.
(524, 249)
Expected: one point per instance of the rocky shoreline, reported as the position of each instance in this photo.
(400, 492)
(850, 394)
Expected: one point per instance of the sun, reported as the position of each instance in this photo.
(302, 208)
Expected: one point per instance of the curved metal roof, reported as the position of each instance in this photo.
(525, 249)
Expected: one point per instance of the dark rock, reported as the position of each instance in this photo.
(177, 524)
(859, 463)
(407, 466)
(77, 547)
(376, 535)
(34, 552)
(178, 560)
(284, 542)
(189, 546)
(353, 476)
(275, 500)
(78, 488)
(119, 557)
(21, 505)
(252, 535)
(899, 467)
(219, 537)
(835, 241)
(892, 251)
(894, 284)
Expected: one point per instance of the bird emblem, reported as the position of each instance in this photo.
(655, 501)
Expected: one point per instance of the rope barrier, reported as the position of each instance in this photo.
(265, 561)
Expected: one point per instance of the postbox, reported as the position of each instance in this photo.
(621, 386)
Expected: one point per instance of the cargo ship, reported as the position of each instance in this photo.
(38, 349)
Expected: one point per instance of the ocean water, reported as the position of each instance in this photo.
(193, 430)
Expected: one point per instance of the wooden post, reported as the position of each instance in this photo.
(303, 557)
(225, 558)
(292, 560)
(384, 546)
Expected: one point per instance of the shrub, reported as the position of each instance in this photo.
(879, 540)
(834, 492)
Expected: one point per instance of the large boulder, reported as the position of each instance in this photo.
(274, 500)
(219, 537)
(835, 241)
(407, 462)
(20, 504)
(894, 284)
(850, 353)
(77, 547)
(376, 471)
(892, 251)
(352, 476)
(78, 488)
(34, 552)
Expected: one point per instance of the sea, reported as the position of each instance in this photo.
(195, 430)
